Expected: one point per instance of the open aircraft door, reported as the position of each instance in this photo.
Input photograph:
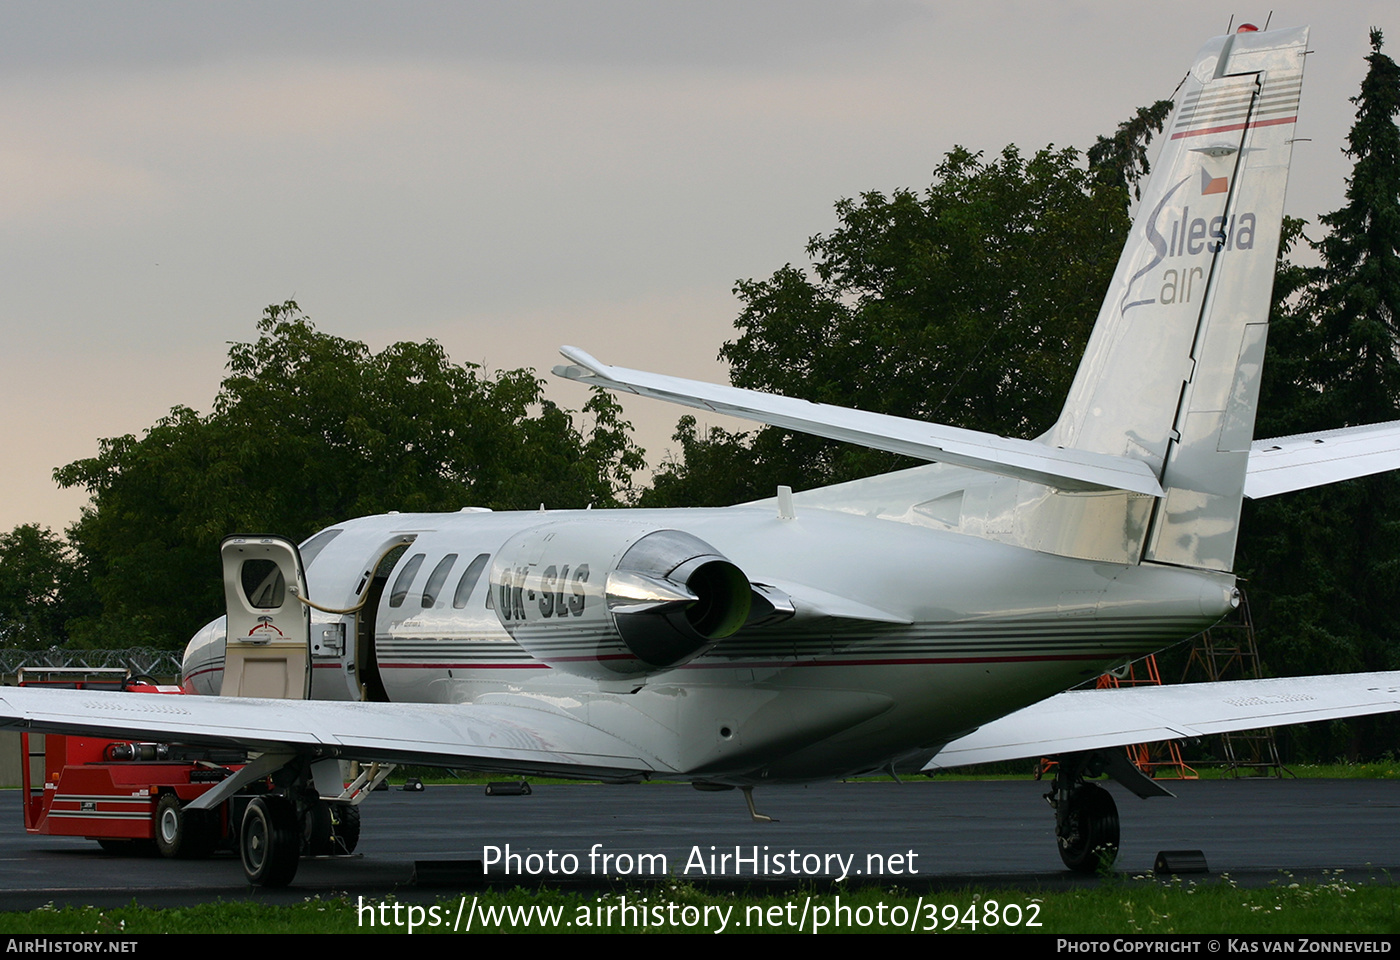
(269, 628)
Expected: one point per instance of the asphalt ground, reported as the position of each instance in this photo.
(938, 835)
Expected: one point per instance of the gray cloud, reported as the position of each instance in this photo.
(69, 36)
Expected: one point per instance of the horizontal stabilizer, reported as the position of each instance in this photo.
(1084, 720)
(496, 736)
(1313, 459)
(1023, 459)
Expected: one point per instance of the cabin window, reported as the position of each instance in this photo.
(467, 584)
(437, 578)
(405, 580)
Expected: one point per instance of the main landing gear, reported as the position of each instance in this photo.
(1086, 818)
(269, 841)
(295, 819)
(276, 832)
(280, 812)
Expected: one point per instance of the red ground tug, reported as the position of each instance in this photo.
(129, 797)
(134, 797)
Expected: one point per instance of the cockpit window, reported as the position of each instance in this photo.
(313, 547)
(405, 580)
(437, 579)
(467, 584)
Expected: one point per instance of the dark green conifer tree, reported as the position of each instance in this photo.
(1323, 566)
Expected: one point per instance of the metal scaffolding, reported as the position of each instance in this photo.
(1228, 651)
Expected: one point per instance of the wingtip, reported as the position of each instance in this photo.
(581, 357)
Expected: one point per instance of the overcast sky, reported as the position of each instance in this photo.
(507, 177)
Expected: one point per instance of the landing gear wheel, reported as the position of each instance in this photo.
(332, 829)
(346, 828)
(270, 841)
(319, 841)
(1088, 830)
(180, 832)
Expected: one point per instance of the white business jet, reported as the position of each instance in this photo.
(922, 619)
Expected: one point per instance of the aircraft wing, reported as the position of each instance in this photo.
(1083, 720)
(498, 737)
(1313, 459)
(1024, 459)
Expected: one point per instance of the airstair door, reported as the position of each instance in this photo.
(268, 653)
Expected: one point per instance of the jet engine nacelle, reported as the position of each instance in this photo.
(612, 598)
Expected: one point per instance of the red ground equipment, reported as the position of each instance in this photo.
(126, 796)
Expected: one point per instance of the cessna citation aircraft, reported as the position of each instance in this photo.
(923, 619)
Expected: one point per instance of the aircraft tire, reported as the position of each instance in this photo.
(1088, 838)
(318, 833)
(332, 829)
(269, 841)
(347, 828)
(182, 833)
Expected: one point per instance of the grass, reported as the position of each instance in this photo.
(1119, 905)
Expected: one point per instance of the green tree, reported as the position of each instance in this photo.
(967, 304)
(1324, 565)
(1121, 160)
(308, 429)
(1357, 292)
(717, 469)
(40, 587)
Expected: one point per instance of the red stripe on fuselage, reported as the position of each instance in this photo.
(745, 664)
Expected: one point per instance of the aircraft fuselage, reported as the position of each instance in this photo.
(950, 631)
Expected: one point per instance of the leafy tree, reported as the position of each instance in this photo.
(967, 304)
(40, 587)
(308, 429)
(718, 469)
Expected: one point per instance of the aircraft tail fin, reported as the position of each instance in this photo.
(1172, 370)
(1147, 461)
